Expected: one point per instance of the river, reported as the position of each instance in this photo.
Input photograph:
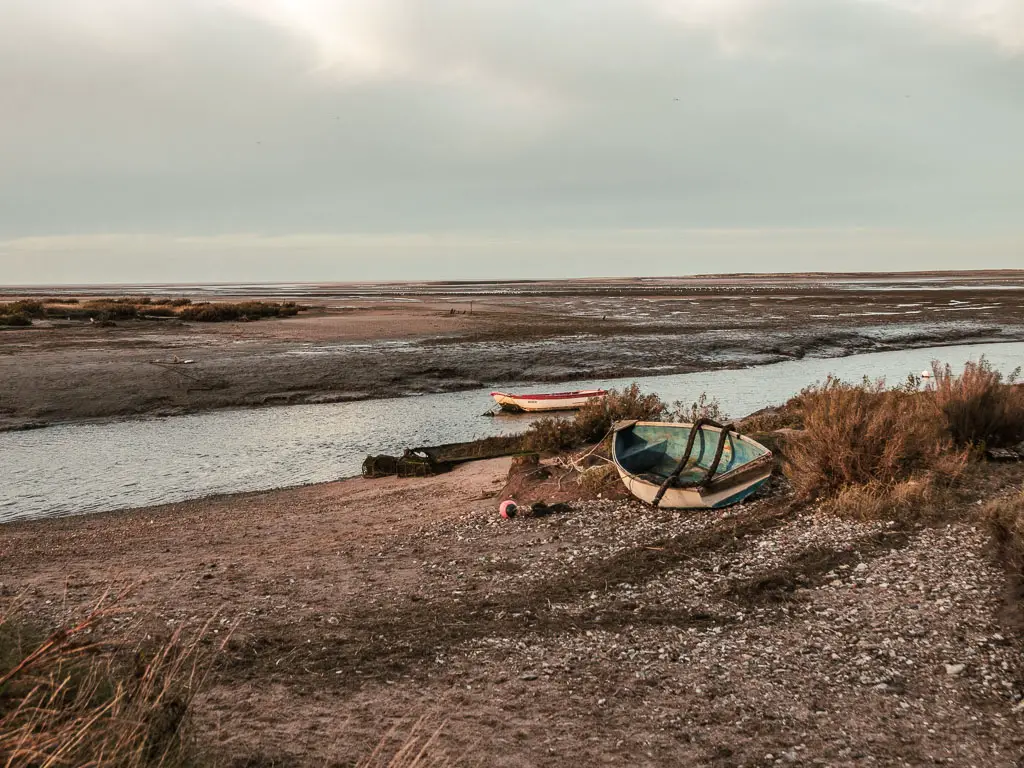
(81, 468)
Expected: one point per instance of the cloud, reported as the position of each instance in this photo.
(999, 21)
(203, 118)
(104, 259)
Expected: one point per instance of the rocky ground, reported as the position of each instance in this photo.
(353, 346)
(765, 634)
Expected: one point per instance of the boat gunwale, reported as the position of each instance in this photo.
(555, 395)
(718, 480)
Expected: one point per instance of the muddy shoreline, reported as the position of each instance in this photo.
(392, 346)
(764, 634)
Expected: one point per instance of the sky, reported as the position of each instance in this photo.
(334, 140)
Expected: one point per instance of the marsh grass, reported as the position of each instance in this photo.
(68, 698)
(206, 312)
(15, 319)
(143, 307)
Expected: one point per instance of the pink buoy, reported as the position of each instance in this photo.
(508, 509)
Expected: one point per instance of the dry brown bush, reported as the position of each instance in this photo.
(1005, 519)
(980, 407)
(866, 435)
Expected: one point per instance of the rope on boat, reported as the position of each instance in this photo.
(672, 480)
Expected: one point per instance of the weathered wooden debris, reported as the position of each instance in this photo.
(436, 459)
(1016, 453)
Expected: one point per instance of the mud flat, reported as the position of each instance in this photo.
(358, 342)
(613, 634)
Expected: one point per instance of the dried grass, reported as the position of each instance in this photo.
(1005, 520)
(980, 407)
(866, 435)
(419, 747)
(67, 699)
(918, 499)
(205, 312)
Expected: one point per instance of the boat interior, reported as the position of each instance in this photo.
(653, 452)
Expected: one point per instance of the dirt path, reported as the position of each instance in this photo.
(614, 634)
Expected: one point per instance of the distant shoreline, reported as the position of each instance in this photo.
(278, 288)
(391, 341)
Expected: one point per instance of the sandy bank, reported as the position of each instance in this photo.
(613, 634)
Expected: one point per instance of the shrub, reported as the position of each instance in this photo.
(109, 309)
(1005, 519)
(862, 435)
(27, 307)
(19, 319)
(774, 418)
(206, 312)
(595, 418)
(979, 407)
(180, 302)
(68, 699)
(551, 433)
(703, 408)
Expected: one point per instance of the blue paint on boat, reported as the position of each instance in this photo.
(650, 452)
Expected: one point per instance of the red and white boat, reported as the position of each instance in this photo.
(556, 401)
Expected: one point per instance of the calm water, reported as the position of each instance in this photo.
(89, 468)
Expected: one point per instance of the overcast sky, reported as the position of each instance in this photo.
(199, 140)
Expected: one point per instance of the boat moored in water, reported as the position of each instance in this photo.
(687, 466)
(556, 401)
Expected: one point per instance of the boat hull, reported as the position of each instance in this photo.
(561, 401)
(645, 458)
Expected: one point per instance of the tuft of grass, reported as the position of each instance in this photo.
(921, 498)
(866, 435)
(1005, 520)
(417, 747)
(598, 479)
(68, 699)
(979, 407)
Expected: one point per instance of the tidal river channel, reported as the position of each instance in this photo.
(81, 468)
